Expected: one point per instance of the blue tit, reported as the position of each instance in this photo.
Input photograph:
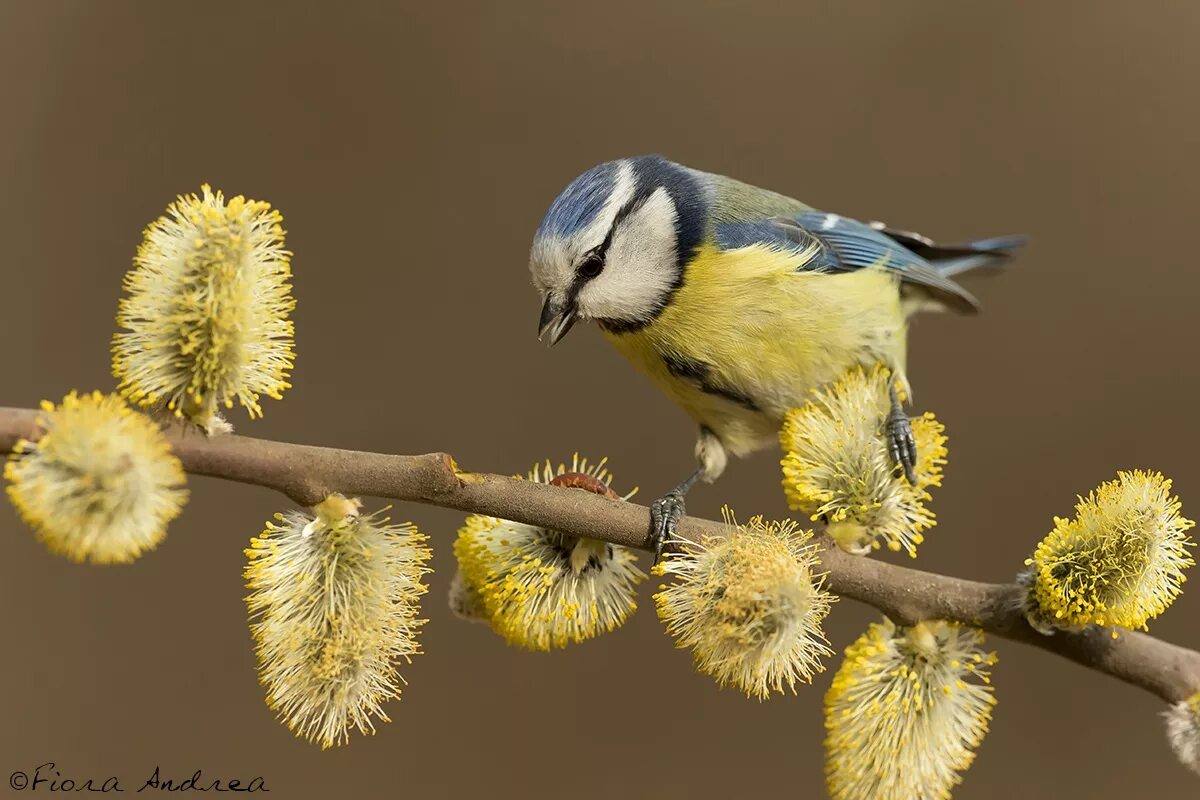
(737, 301)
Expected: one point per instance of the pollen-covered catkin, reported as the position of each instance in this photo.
(206, 314)
(837, 468)
(906, 711)
(100, 482)
(541, 589)
(749, 606)
(334, 608)
(1183, 731)
(1119, 562)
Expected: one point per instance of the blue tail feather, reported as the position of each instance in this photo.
(956, 259)
(998, 244)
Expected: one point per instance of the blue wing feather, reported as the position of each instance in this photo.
(857, 245)
(843, 245)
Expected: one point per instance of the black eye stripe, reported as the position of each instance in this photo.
(588, 268)
(592, 263)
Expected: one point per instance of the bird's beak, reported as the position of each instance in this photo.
(555, 321)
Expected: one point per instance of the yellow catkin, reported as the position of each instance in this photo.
(749, 606)
(100, 483)
(334, 608)
(906, 711)
(1119, 562)
(541, 589)
(206, 314)
(837, 468)
(1183, 731)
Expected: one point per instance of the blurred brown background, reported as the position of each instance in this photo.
(412, 150)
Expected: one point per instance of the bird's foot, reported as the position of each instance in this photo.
(901, 443)
(665, 513)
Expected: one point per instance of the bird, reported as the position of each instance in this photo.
(737, 301)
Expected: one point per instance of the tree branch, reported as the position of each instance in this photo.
(308, 474)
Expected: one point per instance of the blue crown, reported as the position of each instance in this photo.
(580, 202)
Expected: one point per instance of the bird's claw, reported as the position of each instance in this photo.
(665, 513)
(901, 443)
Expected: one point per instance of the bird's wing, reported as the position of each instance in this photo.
(842, 244)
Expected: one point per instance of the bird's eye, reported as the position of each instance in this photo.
(592, 266)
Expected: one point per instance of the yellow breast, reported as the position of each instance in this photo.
(748, 336)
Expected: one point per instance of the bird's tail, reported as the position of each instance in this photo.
(950, 260)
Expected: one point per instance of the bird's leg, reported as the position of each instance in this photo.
(901, 443)
(666, 511)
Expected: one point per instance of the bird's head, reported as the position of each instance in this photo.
(613, 245)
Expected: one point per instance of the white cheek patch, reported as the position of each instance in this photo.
(640, 267)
